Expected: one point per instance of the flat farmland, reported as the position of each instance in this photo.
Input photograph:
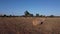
(29, 25)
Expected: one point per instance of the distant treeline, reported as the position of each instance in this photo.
(27, 14)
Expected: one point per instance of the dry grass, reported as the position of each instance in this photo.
(21, 25)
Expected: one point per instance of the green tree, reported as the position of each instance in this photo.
(37, 15)
(27, 13)
(41, 15)
(5, 15)
(51, 15)
(10, 15)
(31, 15)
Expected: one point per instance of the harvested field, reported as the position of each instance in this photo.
(29, 25)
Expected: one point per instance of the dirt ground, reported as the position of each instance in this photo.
(29, 25)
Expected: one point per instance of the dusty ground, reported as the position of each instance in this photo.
(21, 25)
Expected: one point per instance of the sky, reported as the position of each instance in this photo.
(18, 7)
